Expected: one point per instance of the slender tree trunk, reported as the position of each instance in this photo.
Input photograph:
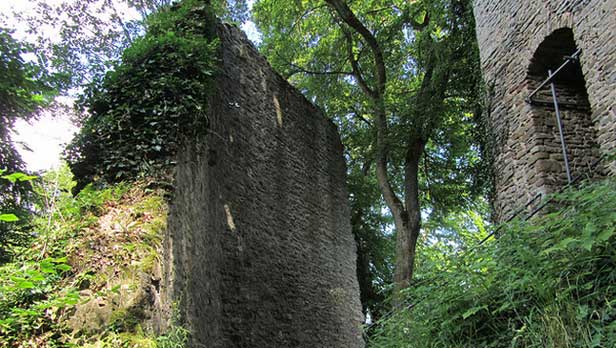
(408, 232)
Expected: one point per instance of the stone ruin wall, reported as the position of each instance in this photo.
(526, 145)
(259, 232)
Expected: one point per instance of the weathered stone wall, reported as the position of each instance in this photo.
(526, 146)
(259, 229)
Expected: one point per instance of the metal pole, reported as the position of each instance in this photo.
(560, 128)
(568, 59)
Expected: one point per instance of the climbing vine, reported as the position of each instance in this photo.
(139, 113)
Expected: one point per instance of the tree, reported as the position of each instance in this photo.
(402, 78)
(24, 89)
(91, 35)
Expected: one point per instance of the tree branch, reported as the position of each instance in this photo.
(299, 69)
(361, 117)
(117, 16)
(355, 66)
(304, 15)
(347, 16)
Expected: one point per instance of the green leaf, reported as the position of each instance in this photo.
(70, 300)
(587, 244)
(63, 267)
(13, 178)
(8, 217)
(473, 311)
(565, 242)
(589, 231)
(25, 285)
(38, 99)
(60, 260)
(37, 278)
(47, 267)
(606, 234)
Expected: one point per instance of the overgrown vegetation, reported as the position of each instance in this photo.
(547, 282)
(141, 110)
(15, 195)
(87, 273)
(84, 279)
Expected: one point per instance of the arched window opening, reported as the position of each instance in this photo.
(564, 145)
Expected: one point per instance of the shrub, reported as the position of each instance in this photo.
(547, 282)
(141, 111)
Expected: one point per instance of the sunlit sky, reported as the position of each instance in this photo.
(42, 141)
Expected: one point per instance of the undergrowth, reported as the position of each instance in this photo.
(549, 282)
(87, 276)
(83, 280)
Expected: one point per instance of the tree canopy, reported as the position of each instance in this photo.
(92, 35)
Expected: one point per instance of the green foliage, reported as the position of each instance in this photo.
(8, 218)
(141, 111)
(24, 89)
(30, 297)
(33, 297)
(97, 246)
(94, 33)
(13, 230)
(548, 282)
(375, 247)
(177, 337)
(19, 177)
(24, 86)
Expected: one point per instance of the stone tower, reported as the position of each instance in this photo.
(259, 249)
(520, 42)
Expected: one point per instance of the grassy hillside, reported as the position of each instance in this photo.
(549, 282)
(90, 276)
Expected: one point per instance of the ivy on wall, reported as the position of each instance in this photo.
(140, 112)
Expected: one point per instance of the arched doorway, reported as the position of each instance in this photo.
(564, 143)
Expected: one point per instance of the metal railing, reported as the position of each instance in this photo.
(410, 303)
(568, 60)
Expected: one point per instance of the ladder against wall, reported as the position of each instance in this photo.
(520, 42)
(563, 141)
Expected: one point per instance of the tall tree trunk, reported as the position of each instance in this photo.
(407, 215)
(408, 233)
